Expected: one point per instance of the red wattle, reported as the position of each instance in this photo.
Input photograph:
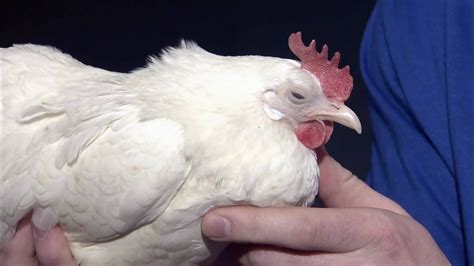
(314, 133)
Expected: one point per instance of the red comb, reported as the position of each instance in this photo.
(337, 83)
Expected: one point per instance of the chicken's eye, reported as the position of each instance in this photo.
(296, 98)
(297, 95)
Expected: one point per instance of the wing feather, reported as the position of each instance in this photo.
(127, 178)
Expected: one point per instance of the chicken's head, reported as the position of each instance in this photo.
(314, 97)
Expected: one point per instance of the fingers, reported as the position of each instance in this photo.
(339, 188)
(270, 255)
(328, 230)
(20, 249)
(262, 255)
(31, 246)
(52, 247)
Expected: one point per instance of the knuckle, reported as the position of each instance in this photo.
(389, 237)
(246, 225)
(254, 225)
(310, 233)
(6, 252)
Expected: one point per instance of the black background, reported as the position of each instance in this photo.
(119, 35)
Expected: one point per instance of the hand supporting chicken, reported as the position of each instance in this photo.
(358, 226)
(128, 164)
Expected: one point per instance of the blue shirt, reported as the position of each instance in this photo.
(417, 59)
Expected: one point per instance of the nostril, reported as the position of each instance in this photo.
(335, 106)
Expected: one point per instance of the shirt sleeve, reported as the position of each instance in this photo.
(417, 61)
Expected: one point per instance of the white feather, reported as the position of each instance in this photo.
(128, 163)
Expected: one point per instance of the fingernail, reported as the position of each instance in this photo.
(39, 234)
(216, 227)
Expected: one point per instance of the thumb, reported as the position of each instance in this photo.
(52, 247)
(339, 188)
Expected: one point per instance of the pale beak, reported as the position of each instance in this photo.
(339, 113)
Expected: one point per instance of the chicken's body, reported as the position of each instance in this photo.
(127, 164)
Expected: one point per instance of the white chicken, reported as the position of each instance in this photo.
(128, 164)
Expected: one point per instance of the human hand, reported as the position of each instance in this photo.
(360, 226)
(30, 246)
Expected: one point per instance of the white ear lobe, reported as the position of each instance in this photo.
(270, 97)
(272, 113)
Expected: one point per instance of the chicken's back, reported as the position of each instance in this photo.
(32, 73)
